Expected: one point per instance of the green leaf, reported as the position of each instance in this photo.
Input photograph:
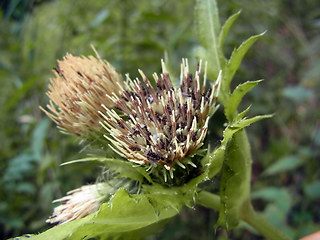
(213, 162)
(236, 97)
(298, 93)
(175, 197)
(125, 168)
(20, 93)
(277, 217)
(280, 196)
(226, 27)
(245, 122)
(200, 52)
(242, 114)
(38, 138)
(207, 19)
(169, 66)
(278, 208)
(236, 171)
(236, 59)
(285, 164)
(125, 216)
(208, 27)
(18, 167)
(312, 190)
(100, 18)
(235, 180)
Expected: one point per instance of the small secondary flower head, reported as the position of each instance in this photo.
(162, 125)
(76, 92)
(79, 203)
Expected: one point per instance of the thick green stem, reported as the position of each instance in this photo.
(248, 214)
(209, 200)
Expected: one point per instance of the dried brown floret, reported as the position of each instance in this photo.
(77, 91)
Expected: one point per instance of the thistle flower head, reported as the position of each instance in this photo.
(79, 203)
(76, 92)
(161, 126)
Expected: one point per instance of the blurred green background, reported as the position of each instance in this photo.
(136, 34)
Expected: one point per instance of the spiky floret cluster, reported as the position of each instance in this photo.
(79, 203)
(79, 87)
(161, 126)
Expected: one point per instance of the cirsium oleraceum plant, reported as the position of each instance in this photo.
(159, 127)
(158, 132)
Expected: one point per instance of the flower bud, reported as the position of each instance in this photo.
(77, 91)
(79, 203)
(162, 125)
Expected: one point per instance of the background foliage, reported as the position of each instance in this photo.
(133, 35)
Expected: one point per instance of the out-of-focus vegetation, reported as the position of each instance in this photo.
(131, 35)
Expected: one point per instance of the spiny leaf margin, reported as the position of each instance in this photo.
(236, 97)
(236, 58)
